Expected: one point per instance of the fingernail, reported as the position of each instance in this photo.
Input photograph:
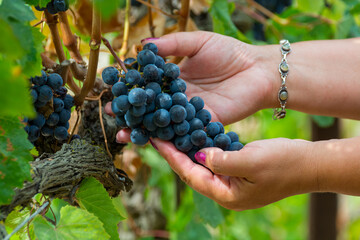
(121, 142)
(200, 157)
(153, 144)
(148, 39)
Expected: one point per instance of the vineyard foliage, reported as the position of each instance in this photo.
(187, 214)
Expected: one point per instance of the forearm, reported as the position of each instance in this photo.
(324, 77)
(338, 165)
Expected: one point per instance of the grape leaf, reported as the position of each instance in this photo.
(310, 5)
(16, 10)
(108, 8)
(93, 197)
(14, 157)
(15, 218)
(75, 223)
(207, 209)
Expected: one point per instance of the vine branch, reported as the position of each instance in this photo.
(151, 24)
(108, 45)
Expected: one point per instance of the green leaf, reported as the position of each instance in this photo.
(343, 28)
(75, 223)
(355, 9)
(108, 8)
(15, 218)
(119, 206)
(93, 197)
(310, 6)
(207, 209)
(195, 230)
(16, 10)
(323, 121)
(14, 157)
(222, 23)
(56, 206)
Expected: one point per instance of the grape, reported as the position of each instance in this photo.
(212, 129)
(160, 76)
(55, 81)
(233, 136)
(132, 77)
(183, 143)
(163, 100)
(146, 57)
(119, 88)
(34, 133)
(60, 5)
(159, 62)
(120, 121)
(149, 122)
(198, 103)
(178, 85)
(137, 111)
(53, 119)
(151, 73)
(196, 124)
(40, 8)
(39, 121)
(131, 120)
(47, 131)
(171, 71)
(222, 130)
(137, 97)
(204, 115)
(68, 101)
(110, 75)
(152, 47)
(64, 116)
(62, 91)
(51, 8)
(150, 95)
(154, 86)
(34, 95)
(130, 62)
(182, 128)
(165, 133)
(44, 93)
(39, 104)
(65, 125)
(177, 113)
(161, 118)
(179, 99)
(222, 141)
(139, 136)
(190, 111)
(150, 107)
(198, 137)
(61, 133)
(75, 136)
(122, 103)
(209, 143)
(192, 152)
(40, 80)
(58, 104)
(236, 146)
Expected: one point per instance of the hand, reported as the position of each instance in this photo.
(228, 74)
(261, 173)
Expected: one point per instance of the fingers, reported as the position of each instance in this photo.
(228, 163)
(123, 136)
(108, 110)
(180, 44)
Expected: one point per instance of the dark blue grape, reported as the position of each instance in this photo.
(65, 125)
(171, 71)
(192, 152)
(133, 121)
(34, 95)
(233, 136)
(60, 5)
(68, 101)
(209, 143)
(183, 143)
(40, 80)
(150, 96)
(110, 75)
(139, 136)
(221, 126)
(177, 113)
(146, 57)
(38, 121)
(53, 119)
(130, 62)
(51, 8)
(62, 91)
(181, 128)
(198, 103)
(47, 131)
(137, 97)
(179, 99)
(165, 133)
(116, 110)
(150, 107)
(149, 122)
(55, 81)
(34, 133)
(236, 146)
(154, 86)
(75, 136)
(222, 141)
(133, 77)
(159, 62)
(122, 103)
(40, 8)
(120, 121)
(137, 111)
(198, 137)
(119, 89)
(178, 85)
(195, 124)
(58, 104)
(152, 47)
(212, 129)
(163, 100)
(151, 73)
(64, 116)
(160, 76)
(44, 93)
(61, 133)
(39, 104)
(190, 110)
(204, 115)
(162, 118)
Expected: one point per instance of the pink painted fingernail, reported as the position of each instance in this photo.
(149, 39)
(153, 144)
(200, 157)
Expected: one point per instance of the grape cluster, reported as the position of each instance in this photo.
(53, 108)
(55, 6)
(150, 99)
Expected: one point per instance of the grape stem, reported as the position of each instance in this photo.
(124, 46)
(108, 45)
(151, 23)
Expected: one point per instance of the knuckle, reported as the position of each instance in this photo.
(216, 162)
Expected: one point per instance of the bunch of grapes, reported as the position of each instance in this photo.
(53, 108)
(151, 100)
(55, 6)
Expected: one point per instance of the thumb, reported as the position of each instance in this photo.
(228, 163)
(180, 44)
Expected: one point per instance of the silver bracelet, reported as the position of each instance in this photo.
(283, 95)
